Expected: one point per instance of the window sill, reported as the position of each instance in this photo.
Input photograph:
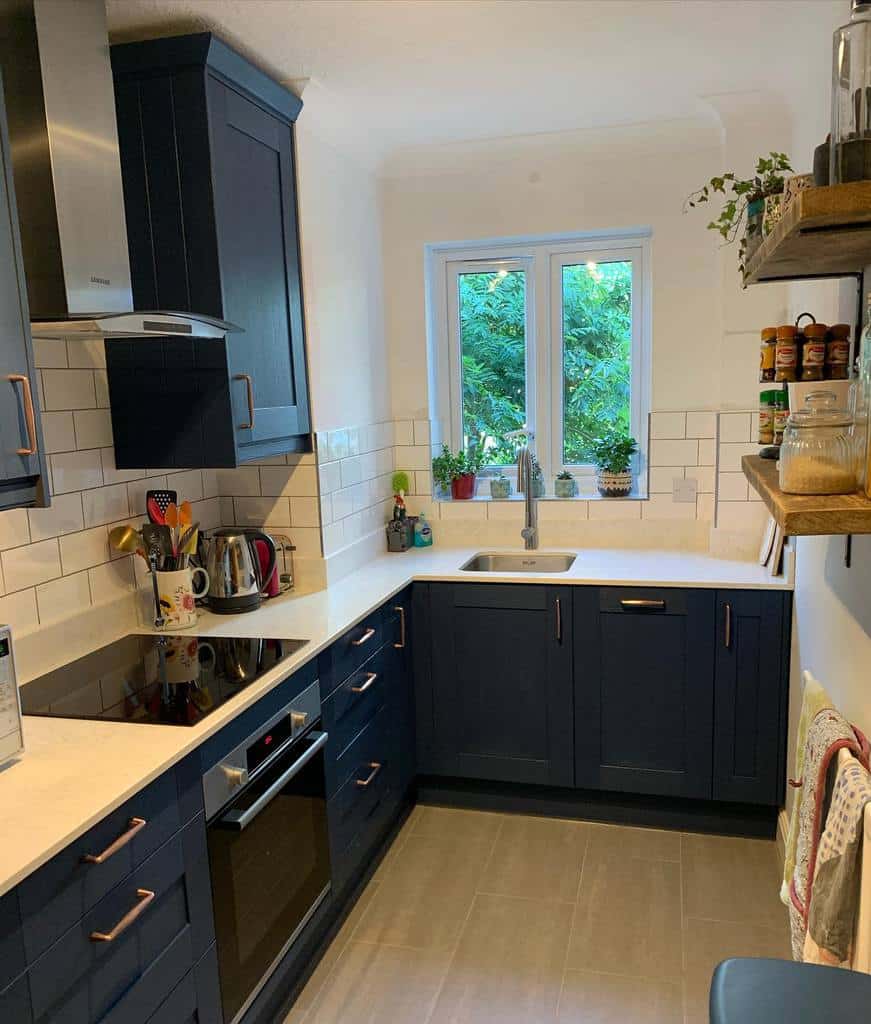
(634, 495)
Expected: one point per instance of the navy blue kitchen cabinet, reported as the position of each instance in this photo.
(500, 687)
(644, 690)
(752, 680)
(207, 157)
(22, 463)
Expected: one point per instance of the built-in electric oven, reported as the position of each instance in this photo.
(268, 846)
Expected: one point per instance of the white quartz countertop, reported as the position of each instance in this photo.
(73, 773)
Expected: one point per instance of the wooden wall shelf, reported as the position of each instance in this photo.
(826, 232)
(803, 515)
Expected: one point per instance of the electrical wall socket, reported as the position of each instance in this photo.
(684, 489)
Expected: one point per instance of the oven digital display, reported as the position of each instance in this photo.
(4, 647)
(268, 743)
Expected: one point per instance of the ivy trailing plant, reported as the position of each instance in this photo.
(612, 453)
(740, 194)
(448, 467)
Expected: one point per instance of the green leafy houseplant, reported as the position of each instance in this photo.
(744, 199)
(500, 486)
(457, 472)
(612, 455)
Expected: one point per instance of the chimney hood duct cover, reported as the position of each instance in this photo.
(60, 104)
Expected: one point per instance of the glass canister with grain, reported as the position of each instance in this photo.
(818, 454)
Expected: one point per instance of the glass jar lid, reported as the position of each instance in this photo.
(821, 410)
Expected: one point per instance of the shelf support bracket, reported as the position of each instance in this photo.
(848, 551)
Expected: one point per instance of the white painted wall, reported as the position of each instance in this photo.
(340, 233)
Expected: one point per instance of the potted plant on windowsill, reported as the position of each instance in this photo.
(565, 485)
(612, 454)
(500, 487)
(458, 473)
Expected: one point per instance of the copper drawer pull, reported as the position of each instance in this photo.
(640, 602)
(559, 621)
(29, 414)
(370, 680)
(401, 644)
(249, 389)
(364, 639)
(376, 768)
(144, 896)
(727, 632)
(133, 826)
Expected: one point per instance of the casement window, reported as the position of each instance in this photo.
(548, 334)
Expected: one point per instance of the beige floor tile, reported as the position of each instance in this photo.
(590, 998)
(378, 983)
(508, 965)
(538, 858)
(644, 843)
(396, 846)
(707, 943)
(628, 919)
(424, 898)
(728, 879)
(329, 959)
(455, 823)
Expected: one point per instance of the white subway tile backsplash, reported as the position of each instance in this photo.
(661, 478)
(385, 461)
(137, 491)
(422, 482)
(207, 513)
(674, 453)
(63, 597)
(662, 506)
(93, 428)
(289, 481)
(352, 471)
(330, 476)
(343, 503)
(233, 483)
(187, 484)
(112, 475)
(735, 426)
(414, 457)
(705, 506)
(69, 389)
(701, 424)
(353, 440)
(403, 432)
(14, 529)
(87, 353)
(76, 471)
(707, 452)
(732, 487)
(19, 611)
(422, 432)
(337, 445)
(263, 511)
(454, 510)
(668, 425)
(49, 353)
(63, 516)
(731, 455)
(334, 538)
(705, 478)
(58, 432)
(614, 508)
(30, 565)
(101, 386)
(556, 511)
(307, 540)
(105, 504)
(305, 511)
(326, 501)
(741, 516)
(83, 550)
(210, 483)
(111, 581)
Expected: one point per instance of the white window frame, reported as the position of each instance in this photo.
(542, 256)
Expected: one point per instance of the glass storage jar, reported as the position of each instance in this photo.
(850, 150)
(817, 454)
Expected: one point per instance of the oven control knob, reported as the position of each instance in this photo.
(298, 720)
(235, 776)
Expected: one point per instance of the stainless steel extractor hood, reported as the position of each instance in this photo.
(64, 140)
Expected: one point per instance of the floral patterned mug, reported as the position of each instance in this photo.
(178, 597)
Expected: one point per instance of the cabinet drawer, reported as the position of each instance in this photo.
(350, 651)
(59, 894)
(355, 702)
(637, 600)
(15, 1002)
(12, 960)
(366, 777)
(81, 980)
(197, 997)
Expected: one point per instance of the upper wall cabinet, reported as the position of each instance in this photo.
(22, 464)
(207, 156)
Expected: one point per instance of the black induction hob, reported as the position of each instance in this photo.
(165, 679)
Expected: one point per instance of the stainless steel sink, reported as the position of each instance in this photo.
(528, 561)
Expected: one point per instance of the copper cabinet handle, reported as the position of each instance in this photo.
(133, 826)
(401, 644)
(370, 680)
(144, 897)
(364, 639)
(376, 768)
(249, 389)
(727, 630)
(559, 621)
(29, 414)
(641, 602)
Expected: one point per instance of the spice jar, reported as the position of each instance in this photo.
(786, 354)
(781, 415)
(767, 349)
(817, 455)
(813, 352)
(838, 352)
(766, 417)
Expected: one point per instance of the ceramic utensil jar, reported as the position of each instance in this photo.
(178, 597)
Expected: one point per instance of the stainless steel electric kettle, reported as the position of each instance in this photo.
(235, 580)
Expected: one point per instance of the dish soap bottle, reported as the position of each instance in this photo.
(422, 532)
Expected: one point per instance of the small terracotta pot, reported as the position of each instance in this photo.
(463, 487)
(613, 485)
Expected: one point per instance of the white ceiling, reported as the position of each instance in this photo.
(382, 75)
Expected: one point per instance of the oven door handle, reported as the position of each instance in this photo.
(242, 819)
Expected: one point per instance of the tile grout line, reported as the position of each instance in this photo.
(562, 983)
(683, 943)
(450, 963)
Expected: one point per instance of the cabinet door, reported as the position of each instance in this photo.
(644, 674)
(20, 462)
(751, 686)
(398, 632)
(255, 215)
(502, 682)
